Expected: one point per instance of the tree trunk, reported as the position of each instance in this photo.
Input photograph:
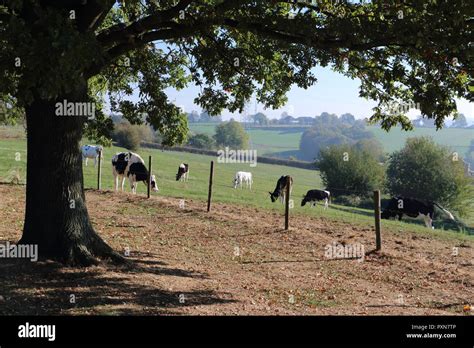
(56, 217)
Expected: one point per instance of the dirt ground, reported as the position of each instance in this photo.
(234, 261)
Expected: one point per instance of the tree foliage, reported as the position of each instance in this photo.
(459, 122)
(428, 171)
(260, 119)
(201, 141)
(372, 146)
(10, 114)
(231, 134)
(130, 136)
(346, 170)
(329, 130)
(233, 49)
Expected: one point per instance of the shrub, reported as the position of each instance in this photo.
(231, 134)
(428, 171)
(372, 146)
(146, 133)
(127, 136)
(348, 171)
(201, 141)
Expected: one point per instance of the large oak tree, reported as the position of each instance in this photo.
(78, 51)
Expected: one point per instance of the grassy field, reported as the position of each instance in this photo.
(285, 142)
(165, 164)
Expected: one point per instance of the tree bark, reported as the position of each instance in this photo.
(56, 217)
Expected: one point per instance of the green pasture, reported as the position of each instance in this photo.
(165, 164)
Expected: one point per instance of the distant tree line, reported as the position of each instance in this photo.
(328, 129)
(261, 119)
(230, 133)
(459, 122)
(203, 117)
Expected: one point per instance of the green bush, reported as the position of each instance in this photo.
(146, 133)
(348, 171)
(127, 136)
(231, 134)
(372, 146)
(201, 141)
(428, 171)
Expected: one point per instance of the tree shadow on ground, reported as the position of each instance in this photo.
(45, 288)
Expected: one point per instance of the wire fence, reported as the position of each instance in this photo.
(358, 208)
(256, 194)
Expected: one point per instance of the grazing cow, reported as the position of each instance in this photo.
(183, 172)
(91, 151)
(312, 196)
(132, 166)
(413, 208)
(280, 189)
(243, 177)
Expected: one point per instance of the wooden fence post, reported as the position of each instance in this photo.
(287, 202)
(99, 170)
(378, 239)
(209, 197)
(149, 177)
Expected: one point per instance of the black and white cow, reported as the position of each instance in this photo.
(132, 166)
(91, 151)
(399, 206)
(313, 196)
(280, 189)
(183, 172)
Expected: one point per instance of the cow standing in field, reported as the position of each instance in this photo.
(91, 151)
(399, 206)
(183, 172)
(281, 187)
(132, 166)
(243, 177)
(313, 196)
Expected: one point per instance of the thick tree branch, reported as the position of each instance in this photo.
(118, 32)
(136, 42)
(90, 13)
(315, 41)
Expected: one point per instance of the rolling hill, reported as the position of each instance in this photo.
(284, 141)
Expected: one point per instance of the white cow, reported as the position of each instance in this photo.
(243, 177)
(91, 151)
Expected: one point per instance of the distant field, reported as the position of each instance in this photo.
(165, 164)
(281, 142)
(285, 143)
(456, 138)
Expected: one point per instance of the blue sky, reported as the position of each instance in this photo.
(333, 93)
